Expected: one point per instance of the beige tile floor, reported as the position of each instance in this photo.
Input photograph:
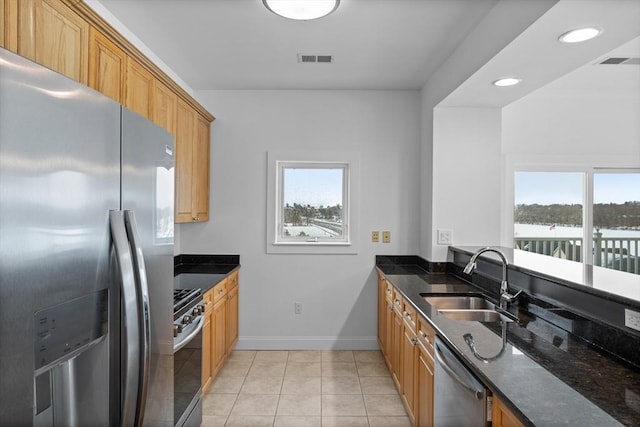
(304, 388)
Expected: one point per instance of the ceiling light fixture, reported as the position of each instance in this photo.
(302, 10)
(507, 81)
(579, 35)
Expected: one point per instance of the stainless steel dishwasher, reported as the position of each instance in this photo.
(460, 400)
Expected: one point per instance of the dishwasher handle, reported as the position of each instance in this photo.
(442, 359)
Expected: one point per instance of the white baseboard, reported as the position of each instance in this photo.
(307, 343)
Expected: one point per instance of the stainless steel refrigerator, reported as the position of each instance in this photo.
(86, 256)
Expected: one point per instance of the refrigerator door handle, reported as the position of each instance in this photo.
(130, 345)
(143, 310)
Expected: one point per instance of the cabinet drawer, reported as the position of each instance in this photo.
(219, 291)
(397, 301)
(426, 335)
(207, 300)
(389, 292)
(232, 281)
(409, 316)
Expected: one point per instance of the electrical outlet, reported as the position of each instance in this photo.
(375, 236)
(445, 237)
(386, 236)
(298, 307)
(632, 319)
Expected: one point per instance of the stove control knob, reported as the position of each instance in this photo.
(176, 330)
(196, 311)
(187, 320)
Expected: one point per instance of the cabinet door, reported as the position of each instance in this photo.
(185, 132)
(424, 398)
(396, 348)
(163, 107)
(207, 334)
(138, 88)
(407, 379)
(51, 34)
(107, 66)
(232, 319)
(382, 312)
(201, 170)
(502, 416)
(219, 322)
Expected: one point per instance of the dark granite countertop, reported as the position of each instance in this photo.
(203, 271)
(547, 375)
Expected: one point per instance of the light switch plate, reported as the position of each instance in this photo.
(632, 319)
(445, 237)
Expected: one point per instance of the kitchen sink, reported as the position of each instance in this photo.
(475, 315)
(467, 307)
(459, 302)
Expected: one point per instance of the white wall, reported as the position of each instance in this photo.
(466, 170)
(575, 124)
(503, 23)
(338, 291)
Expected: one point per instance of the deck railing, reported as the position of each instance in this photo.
(617, 253)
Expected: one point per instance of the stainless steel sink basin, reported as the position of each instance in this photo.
(475, 315)
(466, 307)
(459, 302)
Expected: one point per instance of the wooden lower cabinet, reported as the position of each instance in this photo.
(408, 366)
(207, 334)
(218, 327)
(502, 416)
(232, 318)
(424, 399)
(220, 330)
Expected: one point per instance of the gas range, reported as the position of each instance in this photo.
(188, 320)
(187, 313)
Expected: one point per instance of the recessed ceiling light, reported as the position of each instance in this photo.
(579, 35)
(302, 10)
(507, 81)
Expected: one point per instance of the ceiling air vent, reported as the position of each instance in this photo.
(326, 59)
(618, 61)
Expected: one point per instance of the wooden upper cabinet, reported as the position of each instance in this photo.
(3, 24)
(201, 170)
(138, 88)
(163, 107)
(107, 66)
(49, 33)
(185, 132)
(192, 165)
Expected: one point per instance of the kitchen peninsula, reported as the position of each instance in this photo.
(546, 374)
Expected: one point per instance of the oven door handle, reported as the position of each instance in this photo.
(177, 346)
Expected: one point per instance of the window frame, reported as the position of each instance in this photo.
(581, 164)
(281, 166)
(351, 242)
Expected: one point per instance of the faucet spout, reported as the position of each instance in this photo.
(505, 296)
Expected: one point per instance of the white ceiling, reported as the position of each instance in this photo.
(239, 44)
(543, 63)
(379, 44)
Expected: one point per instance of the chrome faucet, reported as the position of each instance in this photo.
(505, 297)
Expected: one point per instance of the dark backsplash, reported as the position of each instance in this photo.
(211, 264)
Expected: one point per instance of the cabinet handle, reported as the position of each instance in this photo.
(391, 308)
(414, 341)
(407, 314)
(425, 336)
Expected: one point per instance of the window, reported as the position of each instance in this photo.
(592, 215)
(312, 202)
